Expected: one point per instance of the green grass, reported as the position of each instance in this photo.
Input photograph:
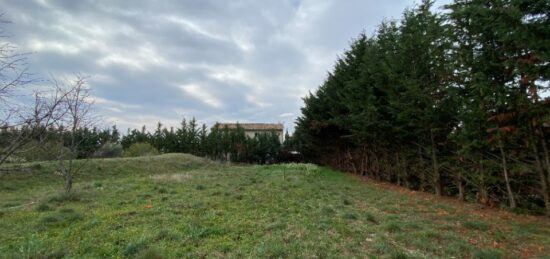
(177, 205)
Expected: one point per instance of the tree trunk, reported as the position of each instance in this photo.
(511, 198)
(364, 160)
(398, 167)
(460, 185)
(377, 167)
(542, 176)
(546, 155)
(404, 171)
(483, 192)
(351, 162)
(436, 176)
(68, 183)
(66, 174)
(422, 173)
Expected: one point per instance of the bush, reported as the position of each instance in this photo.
(109, 150)
(140, 149)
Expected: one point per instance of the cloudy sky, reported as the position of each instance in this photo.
(150, 61)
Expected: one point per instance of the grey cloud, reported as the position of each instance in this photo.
(152, 61)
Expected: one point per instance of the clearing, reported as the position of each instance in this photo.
(177, 205)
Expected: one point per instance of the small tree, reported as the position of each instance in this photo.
(77, 103)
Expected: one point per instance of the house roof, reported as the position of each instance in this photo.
(252, 126)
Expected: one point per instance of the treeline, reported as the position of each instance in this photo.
(53, 142)
(216, 143)
(448, 103)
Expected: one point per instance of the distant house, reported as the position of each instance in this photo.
(253, 129)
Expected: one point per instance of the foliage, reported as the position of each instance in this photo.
(140, 149)
(442, 102)
(216, 143)
(109, 150)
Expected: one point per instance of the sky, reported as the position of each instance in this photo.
(218, 61)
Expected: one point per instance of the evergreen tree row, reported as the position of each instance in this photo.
(219, 144)
(444, 102)
(92, 142)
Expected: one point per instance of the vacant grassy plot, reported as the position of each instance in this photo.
(181, 206)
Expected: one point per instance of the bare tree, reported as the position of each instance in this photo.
(24, 114)
(77, 104)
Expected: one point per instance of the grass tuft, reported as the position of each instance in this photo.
(43, 207)
(350, 216)
(371, 218)
(276, 226)
(476, 225)
(150, 253)
(63, 217)
(487, 254)
(133, 248)
(65, 197)
(167, 235)
(392, 227)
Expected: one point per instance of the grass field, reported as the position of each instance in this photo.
(177, 205)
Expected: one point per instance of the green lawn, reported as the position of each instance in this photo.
(177, 205)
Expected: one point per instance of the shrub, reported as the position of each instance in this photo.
(109, 150)
(140, 149)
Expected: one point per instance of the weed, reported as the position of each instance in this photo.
(476, 225)
(398, 255)
(487, 254)
(392, 227)
(272, 249)
(350, 216)
(65, 197)
(328, 211)
(371, 218)
(63, 217)
(43, 207)
(135, 247)
(66, 210)
(150, 253)
(145, 196)
(276, 226)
